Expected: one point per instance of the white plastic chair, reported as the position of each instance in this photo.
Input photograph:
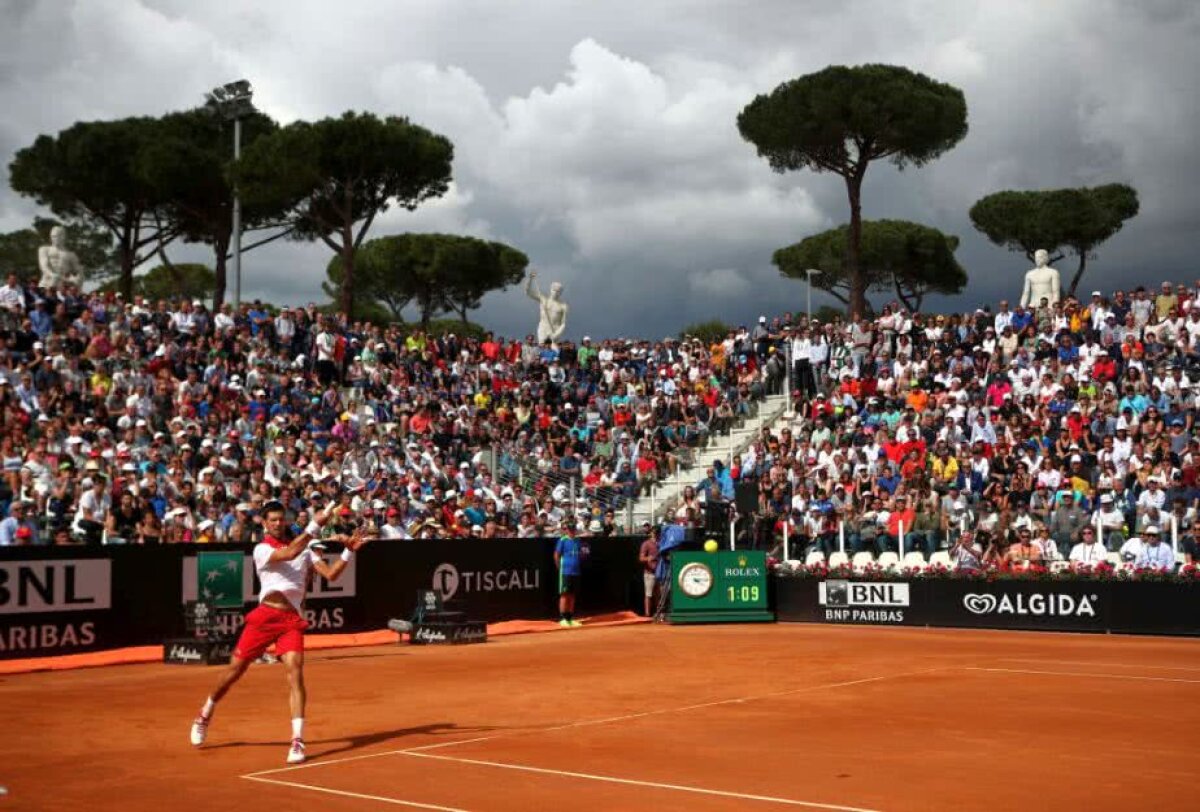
(889, 560)
(815, 557)
(838, 559)
(941, 557)
(863, 559)
(914, 560)
(1114, 559)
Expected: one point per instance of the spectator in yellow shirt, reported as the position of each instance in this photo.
(945, 470)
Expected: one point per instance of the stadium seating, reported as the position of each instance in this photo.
(838, 559)
(863, 559)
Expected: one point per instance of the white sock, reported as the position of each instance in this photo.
(209, 707)
(298, 728)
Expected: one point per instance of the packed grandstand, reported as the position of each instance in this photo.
(972, 438)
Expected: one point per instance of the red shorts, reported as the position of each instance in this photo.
(266, 625)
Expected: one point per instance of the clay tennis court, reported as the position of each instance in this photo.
(634, 717)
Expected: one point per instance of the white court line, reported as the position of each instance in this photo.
(1086, 662)
(1081, 674)
(635, 783)
(735, 700)
(605, 721)
(359, 795)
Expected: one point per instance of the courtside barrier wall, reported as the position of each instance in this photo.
(68, 600)
(1128, 607)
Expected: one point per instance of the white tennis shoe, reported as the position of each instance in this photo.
(199, 731)
(296, 753)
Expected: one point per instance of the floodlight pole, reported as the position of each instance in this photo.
(232, 101)
(237, 219)
(810, 273)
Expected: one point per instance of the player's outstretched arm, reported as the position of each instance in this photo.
(300, 543)
(331, 572)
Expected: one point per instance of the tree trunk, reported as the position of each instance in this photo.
(348, 277)
(1078, 273)
(914, 304)
(854, 273)
(220, 268)
(127, 252)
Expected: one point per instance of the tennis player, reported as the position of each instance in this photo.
(283, 570)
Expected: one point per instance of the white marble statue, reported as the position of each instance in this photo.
(1042, 282)
(552, 310)
(58, 264)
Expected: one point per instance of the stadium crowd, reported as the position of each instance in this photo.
(1042, 434)
(1013, 434)
(158, 422)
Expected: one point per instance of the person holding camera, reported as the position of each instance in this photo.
(965, 553)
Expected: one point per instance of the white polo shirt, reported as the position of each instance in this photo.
(288, 578)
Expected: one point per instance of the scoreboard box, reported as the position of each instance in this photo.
(727, 586)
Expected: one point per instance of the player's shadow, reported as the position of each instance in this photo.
(350, 743)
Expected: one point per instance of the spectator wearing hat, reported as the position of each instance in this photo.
(1154, 554)
(393, 525)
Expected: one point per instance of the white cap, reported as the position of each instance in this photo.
(1106, 499)
(1151, 530)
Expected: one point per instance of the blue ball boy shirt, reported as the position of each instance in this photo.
(570, 555)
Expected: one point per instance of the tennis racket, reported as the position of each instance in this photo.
(358, 468)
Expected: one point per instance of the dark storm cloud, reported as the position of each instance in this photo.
(600, 138)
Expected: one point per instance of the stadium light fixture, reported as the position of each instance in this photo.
(234, 101)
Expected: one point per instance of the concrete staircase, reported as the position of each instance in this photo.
(665, 494)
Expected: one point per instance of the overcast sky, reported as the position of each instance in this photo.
(600, 137)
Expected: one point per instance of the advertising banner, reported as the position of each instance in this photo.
(1070, 606)
(67, 600)
(888, 602)
(1074, 606)
(54, 605)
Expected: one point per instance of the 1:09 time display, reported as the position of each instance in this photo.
(743, 594)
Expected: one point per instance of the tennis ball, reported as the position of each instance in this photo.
(710, 546)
